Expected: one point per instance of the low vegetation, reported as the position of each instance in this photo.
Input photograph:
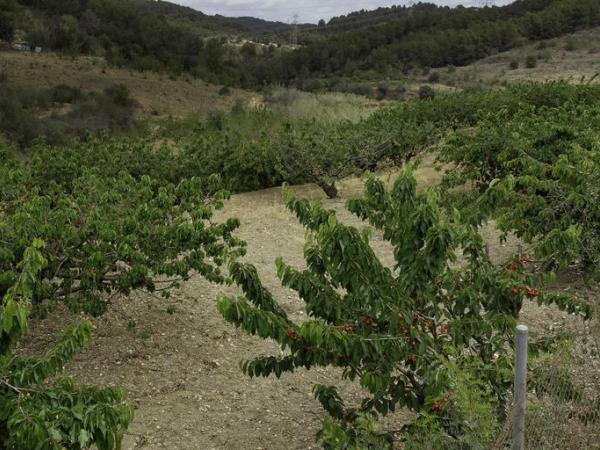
(61, 113)
(328, 107)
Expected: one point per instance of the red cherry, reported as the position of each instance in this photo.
(293, 335)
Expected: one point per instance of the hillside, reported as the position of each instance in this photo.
(386, 43)
(427, 35)
(164, 96)
(572, 57)
(156, 94)
(56, 98)
(141, 34)
(569, 57)
(364, 19)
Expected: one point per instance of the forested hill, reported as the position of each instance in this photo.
(363, 18)
(179, 16)
(162, 36)
(427, 35)
(367, 18)
(142, 34)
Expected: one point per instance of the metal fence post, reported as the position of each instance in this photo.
(520, 396)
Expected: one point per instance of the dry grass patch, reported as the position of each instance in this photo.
(157, 94)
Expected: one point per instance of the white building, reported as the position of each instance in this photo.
(21, 46)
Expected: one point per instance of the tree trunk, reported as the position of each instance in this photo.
(329, 188)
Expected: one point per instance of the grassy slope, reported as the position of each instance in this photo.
(556, 61)
(160, 95)
(157, 94)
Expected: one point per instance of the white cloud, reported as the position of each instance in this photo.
(307, 10)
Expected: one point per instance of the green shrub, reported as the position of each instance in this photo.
(434, 77)
(148, 63)
(65, 94)
(381, 92)
(110, 110)
(17, 122)
(119, 95)
(426, 93)
(571, 45)
(531, 62)
(225, 91)
(313, 85)
(544, 55)
(362, 89)
(20, 119)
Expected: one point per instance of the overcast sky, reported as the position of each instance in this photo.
(307, 10)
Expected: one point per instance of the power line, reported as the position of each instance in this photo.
(401, 11)
(344, 24)
(294, 31)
